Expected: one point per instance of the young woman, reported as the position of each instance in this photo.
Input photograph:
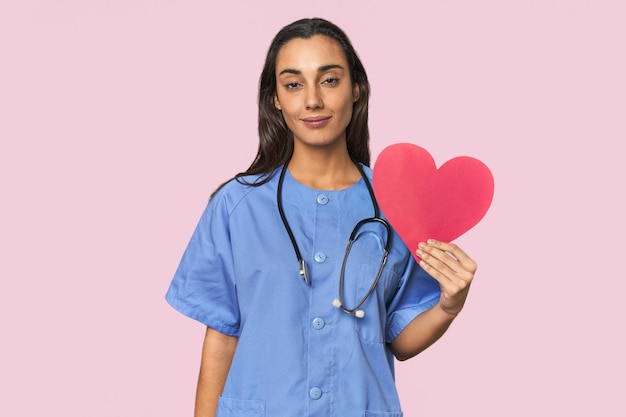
(299, 322)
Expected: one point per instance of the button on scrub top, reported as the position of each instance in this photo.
(297, 355)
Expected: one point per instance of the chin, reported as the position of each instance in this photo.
(320, 140)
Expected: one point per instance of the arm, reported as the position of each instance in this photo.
(454, 270)
(217, 355)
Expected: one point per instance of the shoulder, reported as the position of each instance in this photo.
(239, 189)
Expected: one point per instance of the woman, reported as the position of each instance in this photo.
(267, 269)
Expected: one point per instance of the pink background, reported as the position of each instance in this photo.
(118, 118)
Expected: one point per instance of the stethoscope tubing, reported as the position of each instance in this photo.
(353, 236)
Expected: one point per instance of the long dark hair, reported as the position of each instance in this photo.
(275, 138)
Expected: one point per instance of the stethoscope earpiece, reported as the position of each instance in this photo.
(358, 313)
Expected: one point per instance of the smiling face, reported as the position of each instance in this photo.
(314, 92)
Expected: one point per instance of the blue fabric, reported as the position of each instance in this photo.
(297, 355)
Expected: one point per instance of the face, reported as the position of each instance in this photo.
(314, 91)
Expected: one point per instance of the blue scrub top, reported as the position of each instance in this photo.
(298, 355)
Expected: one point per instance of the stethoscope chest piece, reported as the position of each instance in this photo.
(303, 273)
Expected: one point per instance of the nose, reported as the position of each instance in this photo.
(313, 99)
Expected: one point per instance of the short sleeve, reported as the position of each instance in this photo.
(417, 292)
(203, 287)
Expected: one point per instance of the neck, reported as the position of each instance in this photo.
(324, 171)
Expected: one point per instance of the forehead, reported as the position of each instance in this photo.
(311, 53)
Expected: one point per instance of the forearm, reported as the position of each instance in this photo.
(422, 332)
(217, 355)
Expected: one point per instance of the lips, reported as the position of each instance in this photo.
(317, 121)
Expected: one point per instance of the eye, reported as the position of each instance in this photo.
(331, 81)
(292, 85)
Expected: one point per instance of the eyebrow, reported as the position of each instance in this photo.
(323, 68)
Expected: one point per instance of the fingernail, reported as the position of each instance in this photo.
(421, 245)
(419, 252)
(431, 241)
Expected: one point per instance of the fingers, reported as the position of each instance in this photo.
(452, 268)
(448, 264)
(439, 264)
(449, 254)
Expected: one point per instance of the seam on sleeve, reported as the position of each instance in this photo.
(190, 311)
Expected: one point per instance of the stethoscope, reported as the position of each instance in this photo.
(338, 302)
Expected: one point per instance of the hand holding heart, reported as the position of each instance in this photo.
(429, 207)
(452, 268)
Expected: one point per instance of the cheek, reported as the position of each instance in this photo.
(345, 101)
(290, 118)
(347, 110)
(289, 108)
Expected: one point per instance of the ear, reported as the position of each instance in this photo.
(277, 102)
(356, 93)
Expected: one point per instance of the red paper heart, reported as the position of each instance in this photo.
(422, 202)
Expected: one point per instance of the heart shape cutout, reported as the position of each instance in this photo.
(422, 202)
